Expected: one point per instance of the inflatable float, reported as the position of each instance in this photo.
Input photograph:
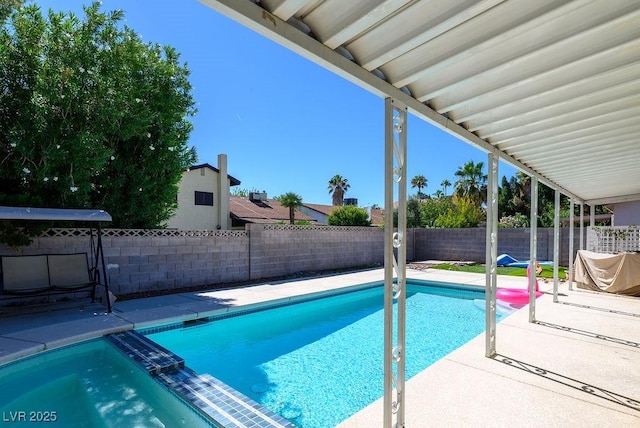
(519, 296)
(507, 260)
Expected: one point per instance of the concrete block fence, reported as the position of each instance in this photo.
(152, 260)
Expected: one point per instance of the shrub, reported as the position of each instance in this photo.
(349, 215)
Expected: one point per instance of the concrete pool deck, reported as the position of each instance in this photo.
(579, 365)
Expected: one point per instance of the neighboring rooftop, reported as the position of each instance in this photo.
(244, 210)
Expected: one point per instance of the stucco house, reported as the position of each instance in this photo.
(626, 213)
(203, 198)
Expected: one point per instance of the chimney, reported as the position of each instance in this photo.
(223, 193)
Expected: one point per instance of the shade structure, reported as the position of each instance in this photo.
(53, 214)
(62, 214)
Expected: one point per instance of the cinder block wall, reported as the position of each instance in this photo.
(469, 244)
(139, 263)
(283, 250)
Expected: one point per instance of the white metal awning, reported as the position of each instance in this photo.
(550, 86)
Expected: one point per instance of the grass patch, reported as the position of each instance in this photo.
(547, 271)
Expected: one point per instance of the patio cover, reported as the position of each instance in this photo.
(550, 86)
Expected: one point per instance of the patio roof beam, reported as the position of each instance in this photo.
(614, 200)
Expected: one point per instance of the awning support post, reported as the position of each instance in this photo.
(533, 248)
(394, 242)
(571, 246)
(491, 259)
(556, 244)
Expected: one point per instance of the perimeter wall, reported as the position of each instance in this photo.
(152, 260)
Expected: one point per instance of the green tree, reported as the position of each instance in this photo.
(464, 213)
(419, 181)
(472, 182)
(292, 201)
(338, 186)
(349, 215)
(445, 183)
(90, 116)
(432, 209)
(414, 213)
(8, 6)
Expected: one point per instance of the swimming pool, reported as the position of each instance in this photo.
(87, 385)
(318, 362)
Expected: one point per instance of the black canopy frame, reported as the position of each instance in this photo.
(75, 215)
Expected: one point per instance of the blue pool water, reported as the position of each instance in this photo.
(319, 362)
(87, 385)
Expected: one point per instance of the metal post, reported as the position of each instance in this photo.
(491, 259)
(571, 248)
(592, 215)
(581, 226)
(556, 244)
(395, 173)
(533, 248)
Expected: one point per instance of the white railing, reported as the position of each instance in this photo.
(613, 239)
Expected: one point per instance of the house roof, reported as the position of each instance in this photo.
(233, 181)
(269, 211)
(322, 209)
(550, 87)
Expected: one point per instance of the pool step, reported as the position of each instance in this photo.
(151, 356)
(220, 402)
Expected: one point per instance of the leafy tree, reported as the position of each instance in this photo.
(517, 220)
(445, 183)
(464, 213)
(7, 6)
(419, 181)
(472, 182)
(292, 201)
(90, 116)
(432, 209)
(414, 213)
(338, 186)
(349, 215)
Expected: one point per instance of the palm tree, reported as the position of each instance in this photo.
(472, 183)
(292, 201)
(338, 187)
(445, 183)
(439, 194)
(419, 181)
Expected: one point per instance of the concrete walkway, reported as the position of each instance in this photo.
(579, 365)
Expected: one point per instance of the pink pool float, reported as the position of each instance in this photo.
(519, 296)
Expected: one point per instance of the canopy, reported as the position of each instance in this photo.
(52, 214)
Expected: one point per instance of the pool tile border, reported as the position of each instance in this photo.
(220, 402)
(222, 405)
(149, 355)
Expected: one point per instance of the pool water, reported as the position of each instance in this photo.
(319, 362)
(87, 385)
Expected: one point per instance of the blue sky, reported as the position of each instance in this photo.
(285, 123)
